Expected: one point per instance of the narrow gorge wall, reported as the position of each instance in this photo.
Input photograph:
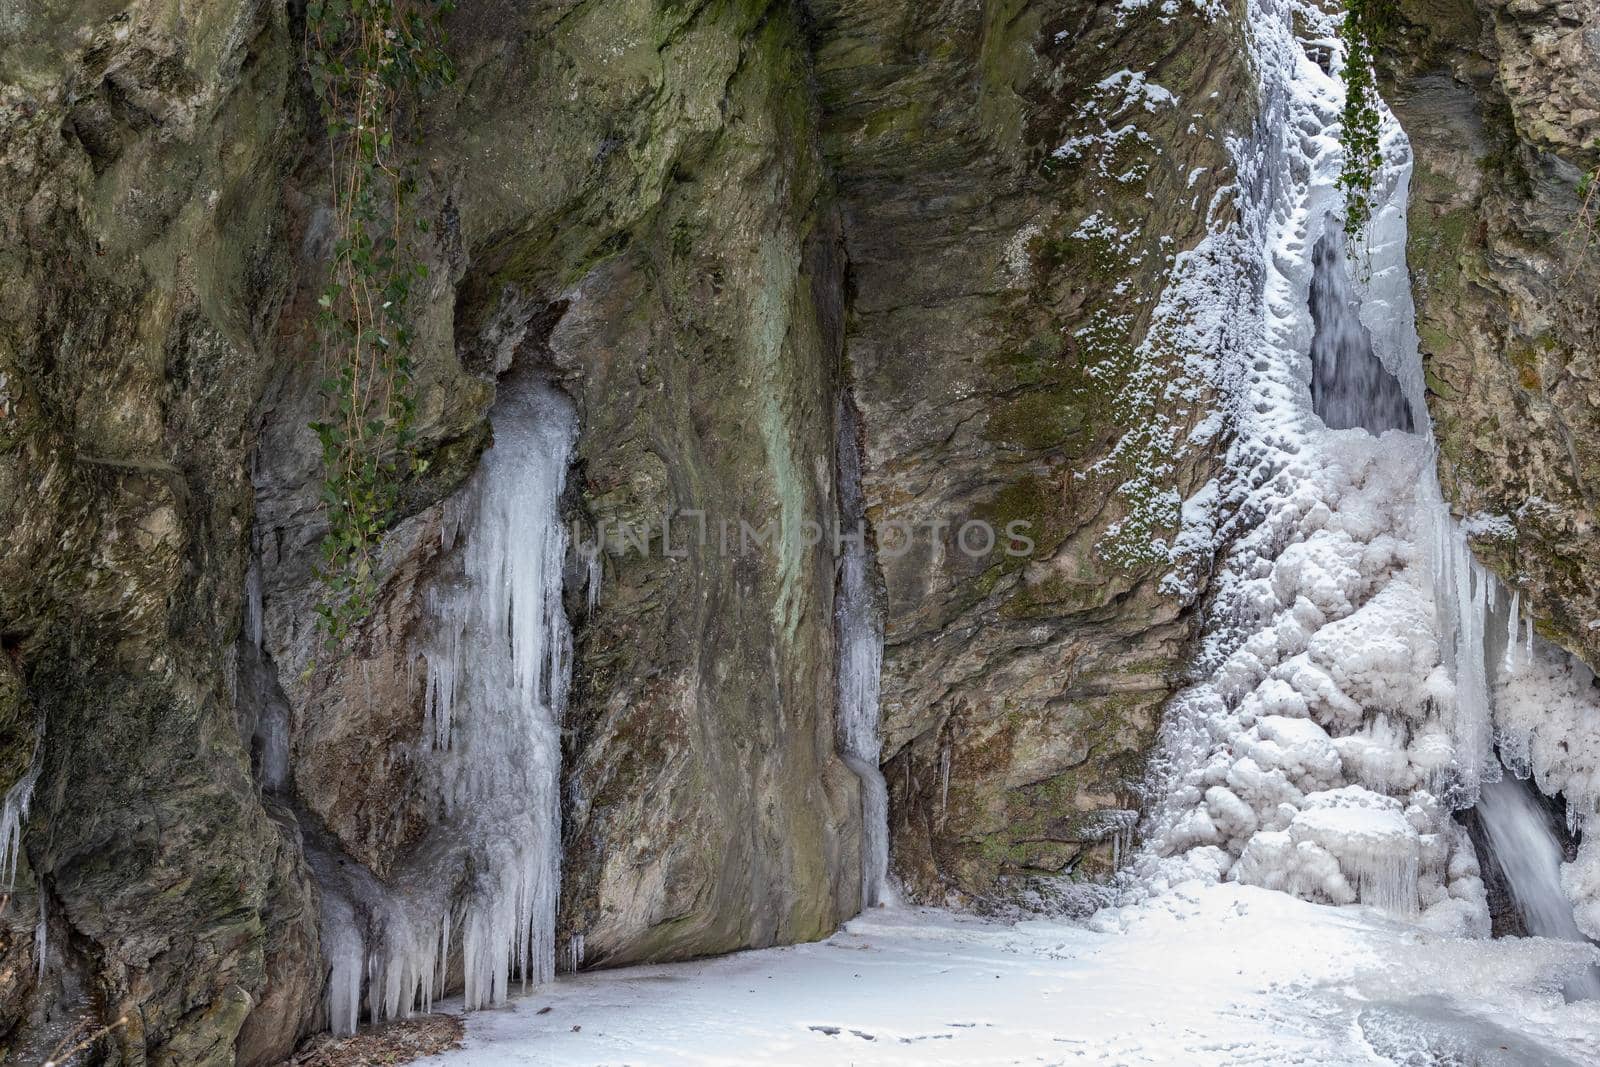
(143, 266)
(1499, 99)
(626, 200)
(626, 203)
(1015, 181)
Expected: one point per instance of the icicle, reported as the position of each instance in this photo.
(1461, 599)
(254, 622)
(272, 730)
(41, 933)
(595, 573)
(944, 779)
(1388, 883)
(575, 953)
(499, 682)
(497, 654)
(346, 955)
(442, 964)
(1509, 663)
(13, 818)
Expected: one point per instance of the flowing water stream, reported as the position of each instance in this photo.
(1525, 847)
(1350, 388)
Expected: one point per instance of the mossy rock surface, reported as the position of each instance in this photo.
(1505, 282)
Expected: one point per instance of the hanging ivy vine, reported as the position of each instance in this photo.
(369, 62)
(1365, 22)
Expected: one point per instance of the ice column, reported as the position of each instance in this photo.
(497, 681)
(14, 816)
(860, 640)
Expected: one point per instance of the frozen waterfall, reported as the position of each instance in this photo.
(1350, 387)
(1310, 756)
(1353, 681)
(859, 631)
(497, 646)
(13, 818)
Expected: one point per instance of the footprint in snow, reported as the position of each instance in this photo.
(835, 1031)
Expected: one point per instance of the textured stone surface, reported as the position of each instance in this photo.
(993, 320)
(706, 222)
(1499, 98)
(706, 810)
(140, 276)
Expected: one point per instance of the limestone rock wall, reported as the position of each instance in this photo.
(703, 262)
(707, 223)
(1499, 97)
(143, 266)
(1006, 252)
(668, 205)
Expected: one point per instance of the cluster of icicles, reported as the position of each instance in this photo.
(497, 647)
(1360, 667)
(13, 816)
(1360, 672)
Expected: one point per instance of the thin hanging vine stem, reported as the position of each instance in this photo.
(1586, 223)
(369, 61)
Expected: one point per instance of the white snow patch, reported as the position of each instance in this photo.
(1208, 975)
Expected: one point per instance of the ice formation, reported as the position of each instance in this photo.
(1347, 695)
(1523, 844)
(1311, 756)
(859, 629)
(254, 617)
(13, 817)
(1547, 726)
(497, 647)
(263, 710)
(41, 936)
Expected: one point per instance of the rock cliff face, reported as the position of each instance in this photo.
(652, 240)
(627, 197)
(1012, 197)
(1499, 97)
(680, 234)
(714, 225)
(143, 267)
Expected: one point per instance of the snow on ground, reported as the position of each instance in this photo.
(1206, 974)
